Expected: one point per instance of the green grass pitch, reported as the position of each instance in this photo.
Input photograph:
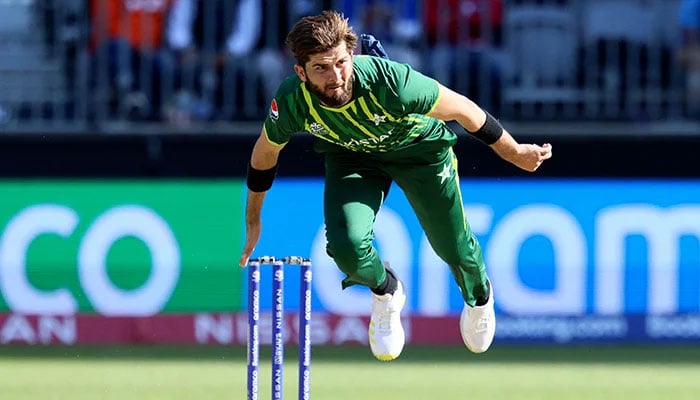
(340, 373)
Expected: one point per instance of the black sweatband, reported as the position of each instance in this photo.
(260, 180)
(490, 132)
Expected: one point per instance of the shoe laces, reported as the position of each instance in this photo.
(382, 313)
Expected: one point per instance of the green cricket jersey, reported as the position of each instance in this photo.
(387, 112)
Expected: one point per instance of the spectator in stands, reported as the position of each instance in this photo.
(394, 22)
(127, 38)
(690, 52)
(463, 38)
(231, 54)
(65, 36)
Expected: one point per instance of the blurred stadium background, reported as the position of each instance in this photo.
(125, 131)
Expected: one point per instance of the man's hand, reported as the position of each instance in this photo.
(253, 229)
(530, 156)
(526, 156)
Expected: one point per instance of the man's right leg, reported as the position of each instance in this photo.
(352, 198)
(353, 195)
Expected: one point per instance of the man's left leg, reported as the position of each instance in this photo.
(434, 193)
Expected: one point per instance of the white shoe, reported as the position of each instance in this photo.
(478, 325)
(386, 335)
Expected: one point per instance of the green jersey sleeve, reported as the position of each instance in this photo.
(416, 92)
(282, 119)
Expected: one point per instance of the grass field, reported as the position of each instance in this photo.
(344, 373)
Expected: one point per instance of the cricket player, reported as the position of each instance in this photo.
(377, 122)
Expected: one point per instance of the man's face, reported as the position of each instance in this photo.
(328, 75)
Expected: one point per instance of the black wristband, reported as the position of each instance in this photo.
(490, 132)
(260, 180)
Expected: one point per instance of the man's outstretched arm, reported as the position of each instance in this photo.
(453, 106)
(261, 173)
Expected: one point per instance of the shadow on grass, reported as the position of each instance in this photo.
(627, 354)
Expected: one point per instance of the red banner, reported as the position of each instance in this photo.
(207, 329)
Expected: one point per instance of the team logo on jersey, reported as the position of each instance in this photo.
(317, 129)
(274, 111)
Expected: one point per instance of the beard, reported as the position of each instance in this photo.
(337, 99)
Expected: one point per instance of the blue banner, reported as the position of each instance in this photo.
(552, 247)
